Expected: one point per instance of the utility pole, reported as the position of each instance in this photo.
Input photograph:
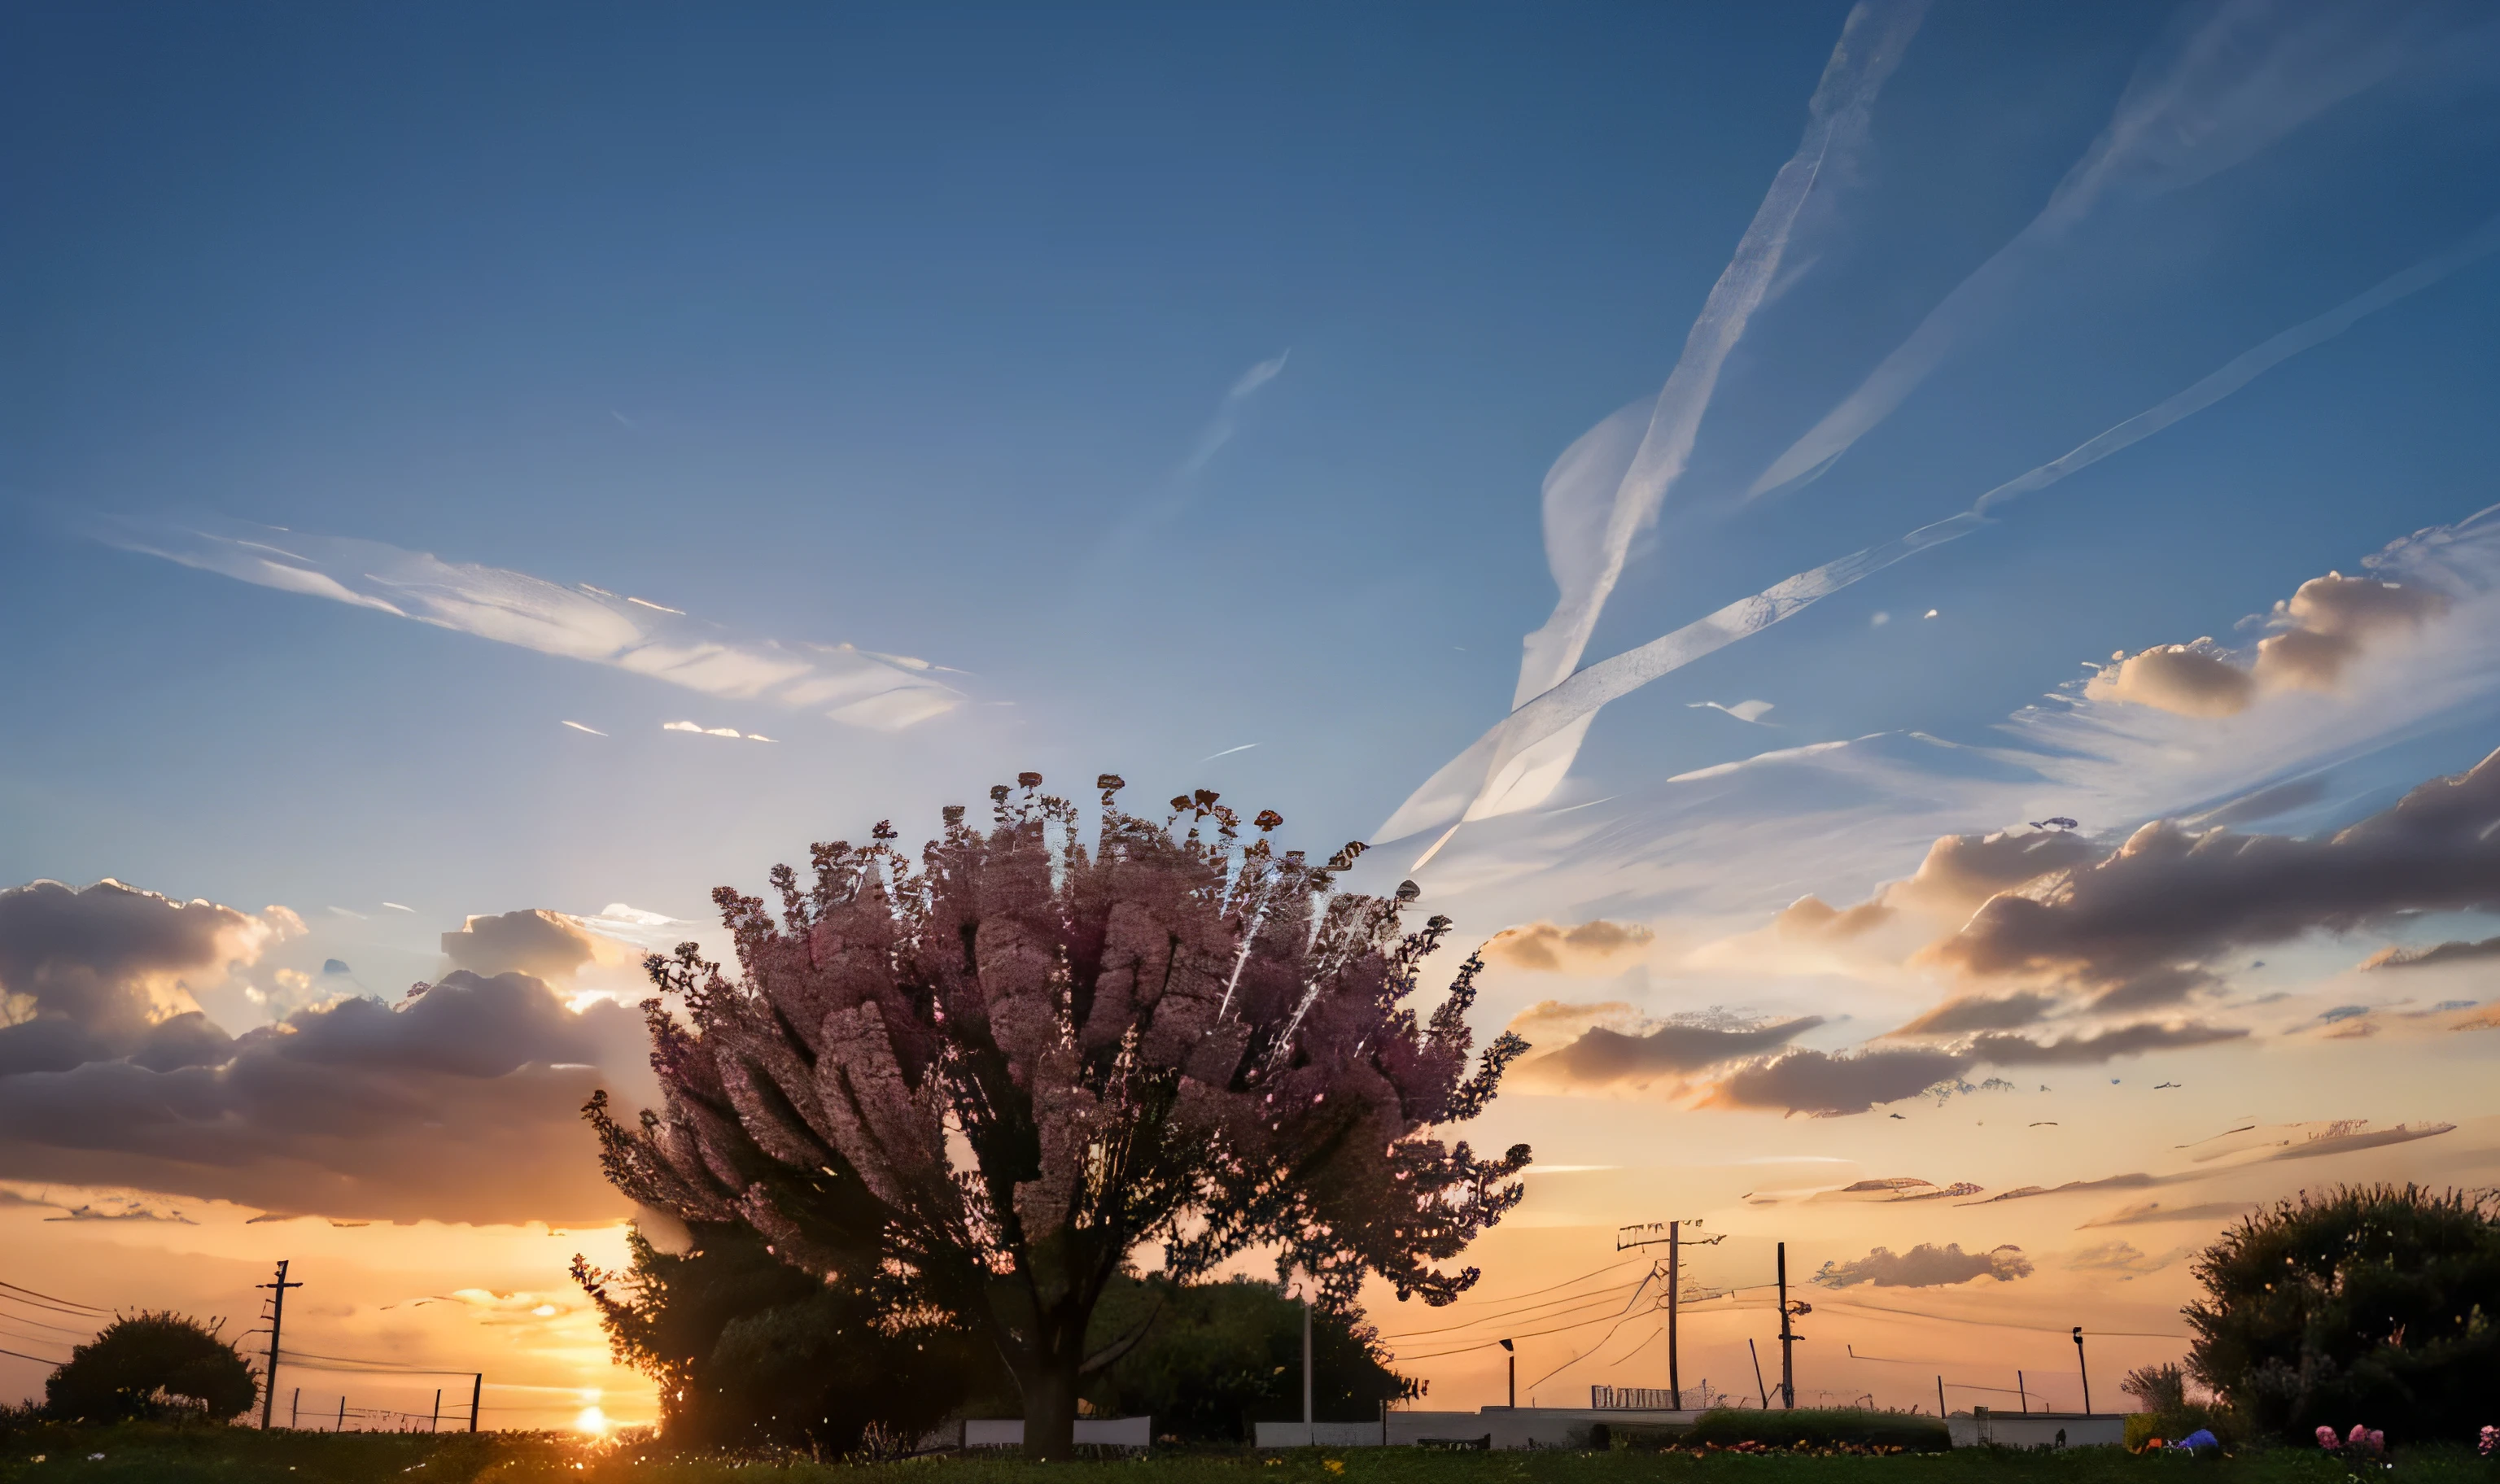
(1758, 1388)
(1306, 1368)
(1512, 1355)
(2023, 1392)
(342, 1413)
(436, 1426)
(477, 1389)
(1674, 1292)
(2087, 1375)
(1940, 1397)
(1648, 1234)
(1788, 1337)
(277, 1313)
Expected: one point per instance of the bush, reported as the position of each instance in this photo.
(1819, 1427)
(160, 1366)
(2372, 1305)
(2169, 1413)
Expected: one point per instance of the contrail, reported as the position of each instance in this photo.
(1507, 770)
(2236, 84)
(1871, 43)
(1175, 493)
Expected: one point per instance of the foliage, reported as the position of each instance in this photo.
(2168, 1412)
(153, 1365)
(975, 1087)
(1217, 1357)
(1818, 1427)
(144, 1454)
(2375, 1303)
(750, 1353)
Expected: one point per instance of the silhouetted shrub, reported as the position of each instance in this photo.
(2376, 1305)
(1818, 1428)
(160, 1365)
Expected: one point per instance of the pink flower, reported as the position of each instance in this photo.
(2491, 1441)
(2327, 1440)
(2366, 1441)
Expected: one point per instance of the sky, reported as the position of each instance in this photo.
(1915, 571)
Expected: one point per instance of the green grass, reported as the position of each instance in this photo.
(159, 1455)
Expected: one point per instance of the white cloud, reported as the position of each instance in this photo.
(584, 623)
(699, 729)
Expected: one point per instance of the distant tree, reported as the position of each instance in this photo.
(975, 1087)
(750, 1352)
(2157, 1388)
(2372, 1304)
(1218, 1357)
(2169, 1411)
(153, 1365)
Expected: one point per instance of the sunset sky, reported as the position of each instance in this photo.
(1918, 572)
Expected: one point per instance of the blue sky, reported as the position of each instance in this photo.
(1182, 380)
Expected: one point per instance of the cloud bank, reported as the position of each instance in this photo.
(104, 969)
(460, 1103)
(1926, 1267)
(2145, 925)
(1580, 948)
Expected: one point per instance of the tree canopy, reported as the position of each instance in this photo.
(750, 1352)
(976, 1085)
(2368, 1303)
(151, 1364)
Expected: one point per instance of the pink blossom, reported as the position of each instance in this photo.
(2328, 1440)
(980, 1081)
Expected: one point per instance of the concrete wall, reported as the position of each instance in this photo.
(1318, 1435)
(1091, 1432)
(1509, 1426)
(1990, 1429)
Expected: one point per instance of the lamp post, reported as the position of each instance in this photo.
(1511, 1355)
(2086, 1373)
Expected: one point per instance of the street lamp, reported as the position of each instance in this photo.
(2087, 1375)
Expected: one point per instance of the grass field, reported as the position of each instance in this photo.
(148, 1455)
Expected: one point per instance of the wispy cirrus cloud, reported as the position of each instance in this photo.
(1523, 759)
(1174, 493)
(2228, 87)
(581, 622)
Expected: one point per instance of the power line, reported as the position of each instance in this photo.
(1530, 1335)
(346, 1366)
(2000, 1324)
(53, 1308)
(1560, 1306)
(32, 1339)
(1531, 1293)
(40, 1360)
(54, 1299)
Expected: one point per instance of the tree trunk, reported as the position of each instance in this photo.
(1049, 1389)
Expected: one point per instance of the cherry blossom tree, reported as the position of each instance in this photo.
(982, 1083)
